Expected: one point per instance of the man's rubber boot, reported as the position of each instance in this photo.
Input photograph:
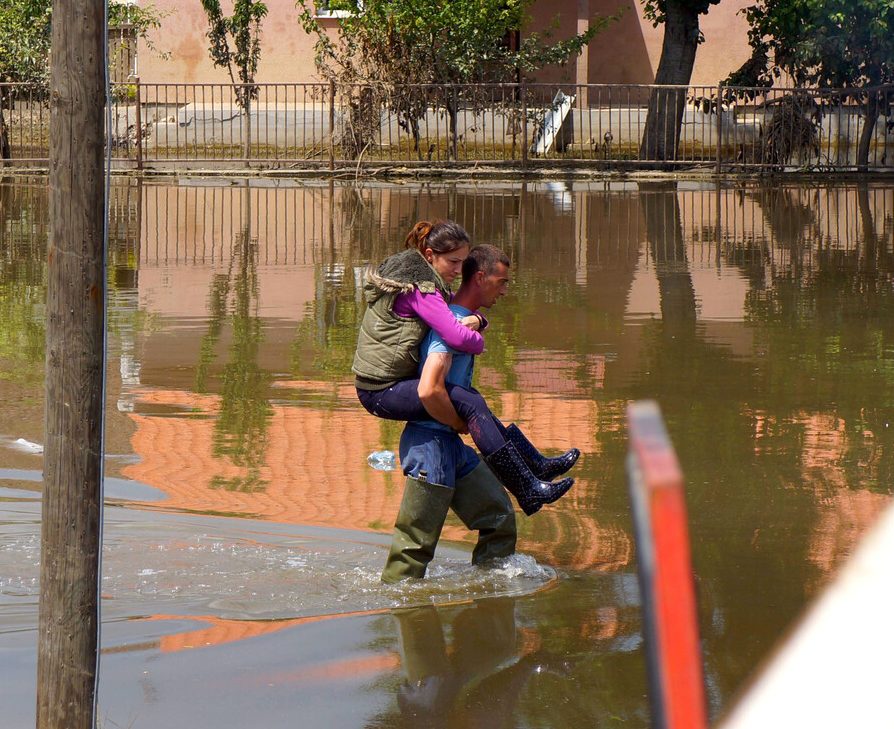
(417, 529)
(482, 505)
(544, 467)
(530, 492)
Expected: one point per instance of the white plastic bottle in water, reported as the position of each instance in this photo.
(382, 460)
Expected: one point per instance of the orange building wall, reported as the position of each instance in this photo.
(287, 52)
(627, 52)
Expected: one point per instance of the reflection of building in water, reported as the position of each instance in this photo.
(596, 223)
(219, 631)
(315, 469)
(311, 240)
(843, 513)
(560, 374)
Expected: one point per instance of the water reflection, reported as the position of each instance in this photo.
(761, 317)
(515, 662)
(240, 430)
(484, 672)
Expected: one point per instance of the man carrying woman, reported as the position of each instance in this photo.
(406, 295)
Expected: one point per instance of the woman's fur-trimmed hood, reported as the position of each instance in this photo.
(400, 274)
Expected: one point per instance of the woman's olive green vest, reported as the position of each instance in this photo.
(388, 344)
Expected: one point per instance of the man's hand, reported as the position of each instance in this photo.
(433, 391)
(472, 321)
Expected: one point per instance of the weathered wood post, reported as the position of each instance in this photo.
(70, 533)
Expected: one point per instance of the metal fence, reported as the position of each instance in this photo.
(609, 127)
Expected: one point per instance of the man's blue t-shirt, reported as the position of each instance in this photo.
(461, 367)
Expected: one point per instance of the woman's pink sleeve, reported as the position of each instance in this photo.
(433, 310)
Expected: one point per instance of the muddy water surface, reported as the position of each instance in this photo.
(245, 530)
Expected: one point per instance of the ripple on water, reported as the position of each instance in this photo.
(156, 563)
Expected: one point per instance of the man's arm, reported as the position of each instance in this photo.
(433, 392)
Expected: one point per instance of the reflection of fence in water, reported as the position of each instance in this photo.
(200, 225)
(783, 224)
(323, 224)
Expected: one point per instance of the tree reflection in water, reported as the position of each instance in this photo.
(240, 431)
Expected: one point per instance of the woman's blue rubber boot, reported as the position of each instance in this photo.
(544, 467)
(530, 492)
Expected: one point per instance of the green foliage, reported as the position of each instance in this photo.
(435, 42)
(142, 18)
(404, 53)
(655, 10)
(23, 281)
(842, 44)
(24, 40)
(125, 93)
(831, 43)
(25, 30)
(328, 353)
(235, 43)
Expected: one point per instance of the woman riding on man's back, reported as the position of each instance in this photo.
(408, 294)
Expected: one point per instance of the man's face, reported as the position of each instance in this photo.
(493, 285)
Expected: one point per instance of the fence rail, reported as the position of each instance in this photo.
(610, 127)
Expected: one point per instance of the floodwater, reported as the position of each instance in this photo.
(244, 530)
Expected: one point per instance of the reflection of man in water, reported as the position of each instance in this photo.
(443, 472)
(480, 677)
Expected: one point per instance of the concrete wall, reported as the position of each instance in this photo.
(603, 131)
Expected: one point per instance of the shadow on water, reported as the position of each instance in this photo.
(760, 316)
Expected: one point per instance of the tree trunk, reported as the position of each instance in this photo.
(5, 150)
(72, 505)
(363, 122)
(452, 113)
(870, 113)
(414, 131)
(665, 116)
(869, 257)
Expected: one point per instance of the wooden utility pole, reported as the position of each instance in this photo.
(72, 507)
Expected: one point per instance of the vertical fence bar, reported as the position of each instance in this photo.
(454, 133)
(666, 582)
(719, 129)
(138, 125)
(167, 126)
(523, 90)
(31, 135)
(331, 125)
(304, 125)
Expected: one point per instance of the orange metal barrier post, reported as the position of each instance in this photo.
(670, 620)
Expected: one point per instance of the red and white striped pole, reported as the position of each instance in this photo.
(670, 618)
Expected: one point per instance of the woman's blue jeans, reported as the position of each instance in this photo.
(401, 401)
